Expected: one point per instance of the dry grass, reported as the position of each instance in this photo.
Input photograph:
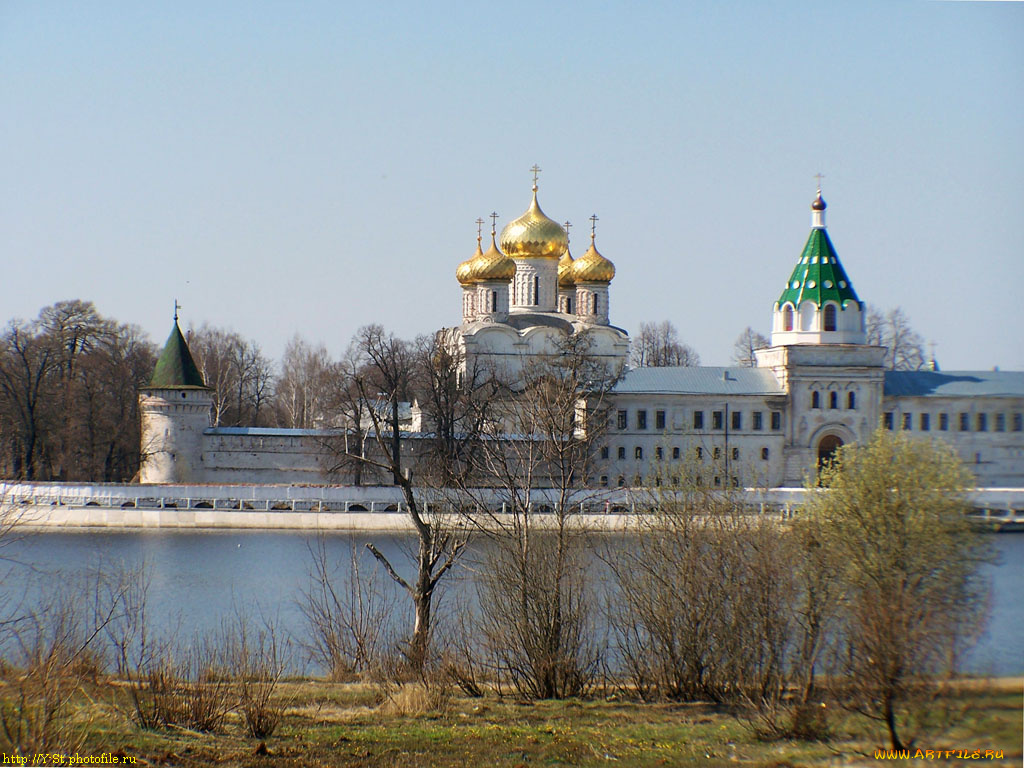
(335, 724)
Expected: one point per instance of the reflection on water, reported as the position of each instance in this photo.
(200, 578)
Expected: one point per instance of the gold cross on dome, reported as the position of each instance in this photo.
(494, 222)
(479, 228)
(535, 170)
(593, 226)
(819, 177)
(177, 306)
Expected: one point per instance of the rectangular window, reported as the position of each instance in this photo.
(622, 420)
(638, 453)
(737, 419)
(944, 422)
(604, 452)
(622, 453)
(716, 453)
(908, 421)
(888, 420)
(700, 452)
(735, 454)
(1018, 422)
(776, 421)
(675, 452)
(641, 419)
(965, 422)
(757, 425)
(926, 422)
(1000, 422)
(659, 419)
(983, 422)
(716, 420)
(659, 453)
(698, 419)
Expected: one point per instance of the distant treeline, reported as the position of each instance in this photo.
(69, 383)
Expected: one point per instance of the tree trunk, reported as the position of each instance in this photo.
(890, 722)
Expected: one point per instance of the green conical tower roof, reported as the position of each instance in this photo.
(176, 368)
(818, 275)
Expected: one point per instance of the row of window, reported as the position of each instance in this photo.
(981, 422)
(659, 453)
(718, 419)
(698, 480)
(833, 400)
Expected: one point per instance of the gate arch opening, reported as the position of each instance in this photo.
(827, 447)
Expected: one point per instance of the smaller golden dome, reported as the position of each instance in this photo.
(533, 235)
(464, 272)
(565, 270)
(592, 267)
(492, 265)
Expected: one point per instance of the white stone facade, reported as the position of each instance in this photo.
(819, 386)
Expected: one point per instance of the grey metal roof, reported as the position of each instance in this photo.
(700, 381)
(954, 383)
(265, 431)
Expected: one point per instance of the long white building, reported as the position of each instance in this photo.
(818, 386)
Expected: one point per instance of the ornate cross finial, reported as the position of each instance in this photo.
(535, 170)
(593, 226)
(177, 306)
(819, 177)
(567, 225)
(479, 229)
(494, 222)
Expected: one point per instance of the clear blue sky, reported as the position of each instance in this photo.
(312, 167)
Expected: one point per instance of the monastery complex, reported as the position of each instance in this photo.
(818, 386)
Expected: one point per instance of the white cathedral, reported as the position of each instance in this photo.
(818, 386)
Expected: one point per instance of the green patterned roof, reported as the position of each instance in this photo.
(818, 276)
(176, 368)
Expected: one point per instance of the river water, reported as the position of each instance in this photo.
(197, 579)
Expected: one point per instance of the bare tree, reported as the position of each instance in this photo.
(237, 373)
(305, 385)
(892, 329)
(747, 342)
(346, 611)
(26, 361)
(536, 600)
(383, 379)
(657, 345)
(68, 395)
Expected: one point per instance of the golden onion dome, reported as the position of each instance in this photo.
(464, 272)
(492, 265)
(592, 267)
(533, 235)
(565, 270)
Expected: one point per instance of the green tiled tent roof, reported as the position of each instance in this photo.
(818, 276)
(176, 368)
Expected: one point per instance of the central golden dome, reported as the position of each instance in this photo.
(533, 235)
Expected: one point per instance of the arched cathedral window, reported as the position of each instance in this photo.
(851, 401)
(815, 399)
(536, 291)
(787, 319)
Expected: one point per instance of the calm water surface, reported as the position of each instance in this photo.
(199, 578)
